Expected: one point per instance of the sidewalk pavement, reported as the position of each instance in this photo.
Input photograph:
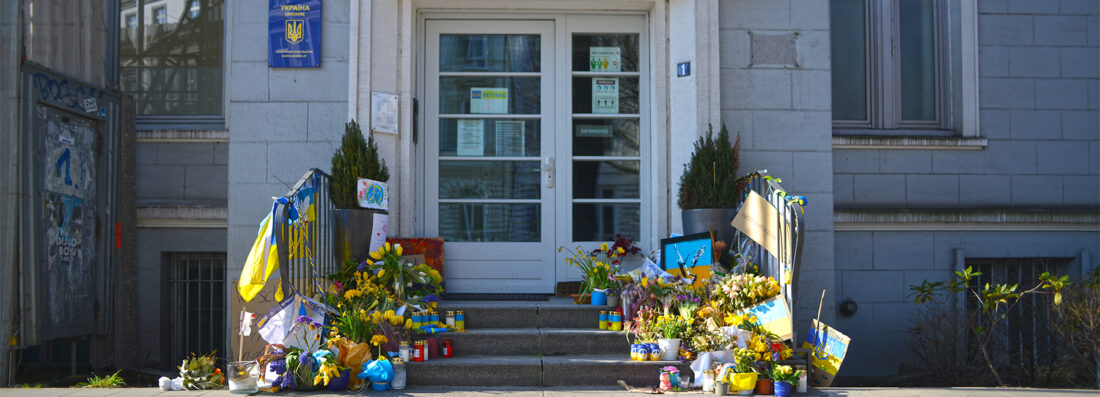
(564, 391)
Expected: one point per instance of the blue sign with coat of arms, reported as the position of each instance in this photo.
(294, 34)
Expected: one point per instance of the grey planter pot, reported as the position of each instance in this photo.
(351, 233)
(698, 220)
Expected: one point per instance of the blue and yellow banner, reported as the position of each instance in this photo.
(775, 316)
(829, 347)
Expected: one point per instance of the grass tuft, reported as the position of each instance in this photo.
(105, 382)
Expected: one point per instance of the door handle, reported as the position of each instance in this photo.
(548, 167)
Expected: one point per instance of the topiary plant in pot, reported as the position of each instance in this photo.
(708, 187)
(352, 227)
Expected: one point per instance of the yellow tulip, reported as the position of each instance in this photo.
(388, 247)
(381, 272)
(399, 250)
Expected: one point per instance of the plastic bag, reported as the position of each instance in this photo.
(353, 355)
(379, 372)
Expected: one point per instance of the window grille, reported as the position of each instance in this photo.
(1024, 340)
(194, 304)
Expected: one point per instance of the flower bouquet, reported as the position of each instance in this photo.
(785, 378)
(201, 373)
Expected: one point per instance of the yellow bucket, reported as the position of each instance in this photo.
(743, 381)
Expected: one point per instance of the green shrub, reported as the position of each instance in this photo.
(105, 382)
(710, 178)
(356, 158)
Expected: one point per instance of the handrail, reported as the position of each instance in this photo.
(790, 209)
(303, 236)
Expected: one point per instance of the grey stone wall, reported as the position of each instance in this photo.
(182, 172)
(282, 122)
(1039, 104)
(776, 93)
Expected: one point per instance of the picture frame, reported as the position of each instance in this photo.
(688, 256)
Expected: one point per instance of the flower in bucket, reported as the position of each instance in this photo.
(597, 267)
(379, 340)
(784, 373)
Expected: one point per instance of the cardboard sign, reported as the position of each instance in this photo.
(488, 100)
(373, 194)
(775, 316)
(829, 348)
(760, 220)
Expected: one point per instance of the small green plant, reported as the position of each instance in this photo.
(356, 158)
(710, 177)
(105, 382)
(29, 386)
(993, 300)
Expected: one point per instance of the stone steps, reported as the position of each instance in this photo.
(554, 343)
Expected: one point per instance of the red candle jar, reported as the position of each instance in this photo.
(418, 351)
(448, 348)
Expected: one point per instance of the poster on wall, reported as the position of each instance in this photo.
(383, 112)
(294, 33)
(604, 59)
(471, 137)
(488, 100)
(605, 95)
(509, 138)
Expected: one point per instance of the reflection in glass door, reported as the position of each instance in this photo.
(488, 161)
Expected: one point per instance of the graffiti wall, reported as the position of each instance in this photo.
(68, 145)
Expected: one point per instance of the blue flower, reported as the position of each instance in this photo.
(430, 298)
(304, 319)
(279, 366)
(362, 266)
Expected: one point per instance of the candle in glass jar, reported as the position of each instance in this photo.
(450, 318)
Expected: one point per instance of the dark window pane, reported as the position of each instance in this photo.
(605, 179)
(170, 58)
(849, 59)
(489, 53)
(463, 95)
(583, 101)
(918, 59)
(489, 179)
(626, 45)
(600, 222)
(489, 222)
(499, 137)
(605, 137)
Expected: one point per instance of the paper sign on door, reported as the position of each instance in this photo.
(488, 100)
(471, 137)
(605, 95)
(604, 59)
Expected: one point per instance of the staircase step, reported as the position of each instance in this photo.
(570, 316)
(573, 370)
(573, 341)
(477, 371)
(589, 370)
(496, 342)
(553, 314)
(483, 316)
(531, 341)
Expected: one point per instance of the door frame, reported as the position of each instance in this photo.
(653, 130)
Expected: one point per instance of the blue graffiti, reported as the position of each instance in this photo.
(62, 91)
(374, 194)
(66, 160)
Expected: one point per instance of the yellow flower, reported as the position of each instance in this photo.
(408, 323)
(352, 293)
(388, 247)
(399, 249)
(661, 282)
(603, 247)
(620, 250)
(376, 255)
(381, 272)
(378, 340)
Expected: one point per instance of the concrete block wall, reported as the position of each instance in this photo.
(182, 172)
(282, 122)
(1039, 105)
(776, 93)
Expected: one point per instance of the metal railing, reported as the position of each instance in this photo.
(303, 235)
(791, 228)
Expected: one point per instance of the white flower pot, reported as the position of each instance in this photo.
(669, 348)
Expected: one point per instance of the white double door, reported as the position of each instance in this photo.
(534, 134)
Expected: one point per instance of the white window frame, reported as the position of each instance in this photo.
(956, 73)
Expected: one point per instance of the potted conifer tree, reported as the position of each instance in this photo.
(352, 226)
(709, 191)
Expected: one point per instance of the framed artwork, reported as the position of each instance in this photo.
(688, 256)
(419, 250)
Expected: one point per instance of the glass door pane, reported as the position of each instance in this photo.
(490, 104)
(606, 105)
(916, 28)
